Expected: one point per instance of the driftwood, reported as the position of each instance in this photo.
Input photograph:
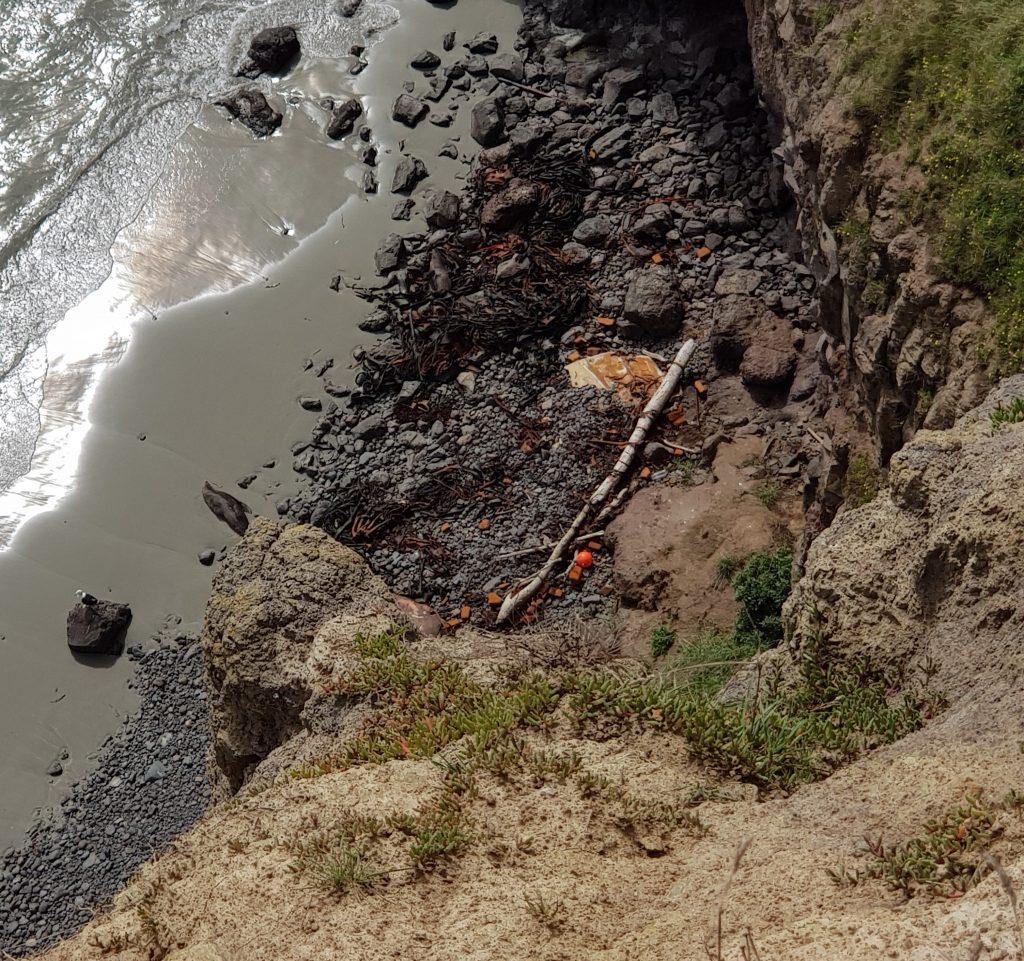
(525, 590)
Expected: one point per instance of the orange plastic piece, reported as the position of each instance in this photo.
(484, 524)
(584, 559)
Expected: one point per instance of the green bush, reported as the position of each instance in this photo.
(945, 79)
(761, 587)
(662, 639)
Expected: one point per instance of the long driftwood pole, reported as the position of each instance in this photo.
(526, 589)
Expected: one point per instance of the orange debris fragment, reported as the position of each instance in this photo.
(465, 611)
(595, 545)
(493, 598)
(645, 472)
(484, 524)
(444, 526)
(576, 573)
(703, 252)
(573, 355)
(555, 591)
(606, 321)
(657, 258)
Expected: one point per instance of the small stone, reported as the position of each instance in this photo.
(483, 43)
(155, 772)
(206, 558)
(390, 254)
(56, 769)
(487, 122)
(311, 403)
(408, 173)
(507, 66)
(448, 43)
(594, 231)
(442, 210)
(343, 118)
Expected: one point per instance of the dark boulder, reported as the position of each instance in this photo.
(425, 60)
(249, 107)
(98, 628)
(442, 210)
(408, 172)
(487, 123)
(227, 508)
(274, 50)
(511, 206)
(408, 110)
(653, 302)
(483, 43)
(343, 118)
(390, 255)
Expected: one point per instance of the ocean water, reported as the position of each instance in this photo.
(95, 95)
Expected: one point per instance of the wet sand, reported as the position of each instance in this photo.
(212, 385)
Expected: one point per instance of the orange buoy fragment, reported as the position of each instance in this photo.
(585, 559)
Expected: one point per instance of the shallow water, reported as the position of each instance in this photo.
(212, 384)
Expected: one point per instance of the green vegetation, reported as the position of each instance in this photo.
(824, 14)
(777, 738)
(780, 735)
(1011, 414)
(861, 485)
(946, 860)
(761, 586)
(684, 469)
(768, 494)
(945, 79)
(727, 566)
(552, 914)
(662, 639)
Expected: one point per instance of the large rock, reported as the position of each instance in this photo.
(442, 210)
(408, 172)
(511, 206)
(249, 107)
(284, 608)
(653, 302)
(748, 338)
(274, 50)
(930, 568)
(408, 110)
(99, 627)
(487, 122)
(343, 118)
(390, 255)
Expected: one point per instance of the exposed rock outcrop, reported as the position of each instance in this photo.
(931, 567)
(283, 611)
(900, 332)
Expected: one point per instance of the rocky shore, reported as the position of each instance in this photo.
(149, 785)
(626, 197)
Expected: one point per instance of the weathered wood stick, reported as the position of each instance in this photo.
(525, 590)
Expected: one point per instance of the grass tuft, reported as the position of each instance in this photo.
(1013, 413)
(662, 639)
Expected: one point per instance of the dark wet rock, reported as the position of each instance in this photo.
(98, 628)
(652, 227)
(227, 508)
(510, 206)
(370, 428)
(408, 110)
(390, 254)
(274, 50)
(343, 118)
(409, 172)
(365, 133)
(441, 119)
(402, 210)
(663, 108)
(348, 8)
(370, 184)
(653, 303)
(483, 43)
(585, 73)
(487, 123)
(55, 769)
(206, 558)
(507, 66)
(358, 67)
(369, 156)
(249, 107)
(620, 83)
(733, 101)
(526, 139)
(425, 60)
(449, 149)
(443, 210)
(594, 231)
(716, 137)
(476, 66)
(448, 43)
(311, 403)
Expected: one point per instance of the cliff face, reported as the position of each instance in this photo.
(907, 342)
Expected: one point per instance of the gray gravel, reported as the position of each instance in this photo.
(149, 785)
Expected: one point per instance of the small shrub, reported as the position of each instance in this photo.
(551, 914)
(662, 639)
(861, 481)
(727, 566)
(684, 469)
(767, 494)
(706, 662)
(1013, 413)
(824, 14)
(946, 860)
(761, 586)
